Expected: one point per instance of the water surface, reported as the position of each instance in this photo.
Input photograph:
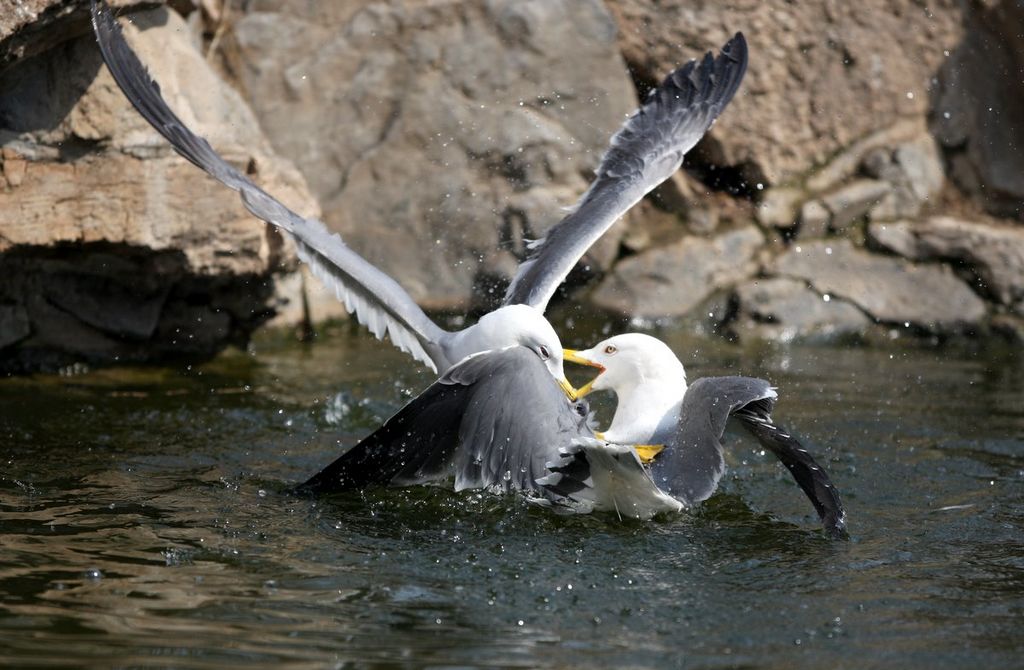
(145, 520)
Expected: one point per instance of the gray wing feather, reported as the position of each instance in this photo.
(493, 421)
(643, 153)
(375, 298)
(689, 468)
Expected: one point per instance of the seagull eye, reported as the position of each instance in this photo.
(544, 353)
(610, 349)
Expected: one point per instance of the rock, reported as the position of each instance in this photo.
(30, 27)
(672, 280)
(702, 220)
(921, 165)
(898, 203)
(994, 253)
(14, 325)
(675, 194)
(878, 164)
(779, 207)
(650, 226)
(433, 133)
(1010, 328)
(112, 247)
(822, 75)
(846, 164)
(786, 309)
(979, 108)
(897, 237)
(814, 219)
(914, 169)
(853, 201)
(890, 290)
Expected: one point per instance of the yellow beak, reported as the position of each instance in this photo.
(570, 391)
(573, 356)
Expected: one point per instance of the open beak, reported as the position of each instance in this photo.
(574, 356)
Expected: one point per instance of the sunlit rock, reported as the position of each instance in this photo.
(889, 289)
(995, 253)
(672, 280)
(438, 135)
(786, 310)
(113, 248)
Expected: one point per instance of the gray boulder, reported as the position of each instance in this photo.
(786, 309)
(852, 201)
(995, 253)
(672, 280)
(889, 289)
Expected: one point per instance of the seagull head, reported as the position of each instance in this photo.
(522, 325)
(627, 361)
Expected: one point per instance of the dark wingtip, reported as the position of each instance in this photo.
(736, 48)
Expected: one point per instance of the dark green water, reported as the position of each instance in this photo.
(144, 521)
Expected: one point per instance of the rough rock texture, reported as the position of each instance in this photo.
(786, 309)
(891, 290)
(111, 246)
(439, 135)
(853, 201)
(672, 280)
(914, 172)
(822, 74)
(29, 27)
(979, 106)
(994, 253)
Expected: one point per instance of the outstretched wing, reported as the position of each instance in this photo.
(690, 467)
(375, 298)
(494, 420)
(644, 153)
(810, 476)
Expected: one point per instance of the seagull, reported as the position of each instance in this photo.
(496, 421)
(647, 149)
(680, 426)
(498, 417)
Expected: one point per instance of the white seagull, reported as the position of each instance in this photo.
(679, 426)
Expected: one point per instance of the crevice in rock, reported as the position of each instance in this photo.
(101, 303)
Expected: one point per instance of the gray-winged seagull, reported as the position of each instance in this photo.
(496, 417)
(657, 411)
(496, 420)
(646, 150)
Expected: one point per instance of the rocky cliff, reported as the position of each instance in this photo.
(865, 180)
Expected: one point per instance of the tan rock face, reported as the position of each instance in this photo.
(438, 135)
(822, 74)
(116, 248)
